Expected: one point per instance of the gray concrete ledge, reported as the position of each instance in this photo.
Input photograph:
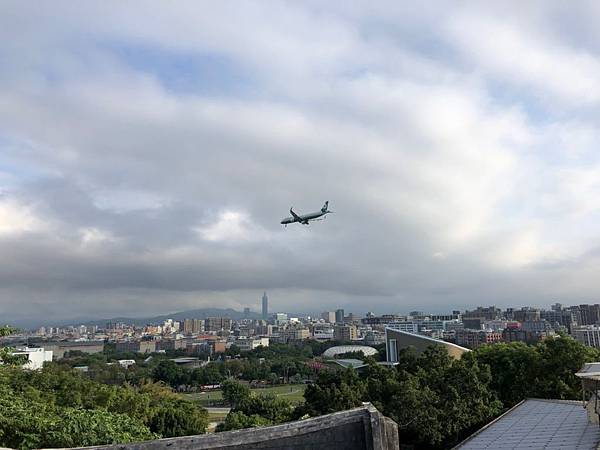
(358, 428)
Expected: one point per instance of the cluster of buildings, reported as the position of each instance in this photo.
(213, 335)
(487, 325)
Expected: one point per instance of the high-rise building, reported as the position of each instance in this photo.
(339, 316)
(280, 318)
(265, 305)
(328, 316)
(344, 333)
(486, 313)
(193, 326)
(217, 323)
(590, 314)
(588, 335)
(527, 314)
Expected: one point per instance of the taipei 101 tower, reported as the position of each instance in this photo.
(265, 306)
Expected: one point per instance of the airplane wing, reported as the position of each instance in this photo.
(295, 216)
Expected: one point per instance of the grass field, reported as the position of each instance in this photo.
(217, 417)
(293, 392)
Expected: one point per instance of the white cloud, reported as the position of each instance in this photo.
(16, 218)
(517, 53)
(232, 227)
(91, 236)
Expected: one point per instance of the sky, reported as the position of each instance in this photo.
(149, 150)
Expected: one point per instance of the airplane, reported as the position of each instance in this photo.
(304, 219)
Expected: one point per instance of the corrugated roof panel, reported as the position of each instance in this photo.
(538, 424)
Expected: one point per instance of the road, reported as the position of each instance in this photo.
(218, 410)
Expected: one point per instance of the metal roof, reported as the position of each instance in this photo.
(341, 349)
(350, 363)
(590, 371)
(538, 424)
(427, 338)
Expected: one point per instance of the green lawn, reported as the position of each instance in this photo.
(293, 392)
(216, 417)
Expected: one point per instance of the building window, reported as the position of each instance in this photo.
(393, 356)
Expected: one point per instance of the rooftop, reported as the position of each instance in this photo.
(590, 371)
(332, 352)
(538, 424)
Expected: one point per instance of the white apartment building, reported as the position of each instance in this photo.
(407, 327)
(36, 357)
(246, 344)
(588, 335)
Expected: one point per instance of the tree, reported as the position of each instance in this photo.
(267, 406)
(515, 368)
(433, 398)
(545, 370)
(6, 356)
(58, 406)
(334, 391)
(179, 418)
(26, 424)
(234, 392)
(238, 420)
(559, 359)
(170, 373)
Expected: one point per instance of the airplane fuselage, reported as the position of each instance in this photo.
(304, 218)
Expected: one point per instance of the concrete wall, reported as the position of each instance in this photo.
(355, 429)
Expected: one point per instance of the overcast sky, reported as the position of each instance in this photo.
(149, 150)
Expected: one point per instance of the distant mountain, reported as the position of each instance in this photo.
(191, 314)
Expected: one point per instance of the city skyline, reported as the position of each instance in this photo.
(148, 154)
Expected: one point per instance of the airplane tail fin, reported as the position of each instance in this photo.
(325, 206)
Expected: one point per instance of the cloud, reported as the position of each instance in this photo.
(17, 219)
(147, 156)
(231, 227)
(528, 55)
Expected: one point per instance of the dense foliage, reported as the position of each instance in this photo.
(61, 407)
(250, 410)
(437, 401)
(6, 355)
(546, 370)
(432, 397)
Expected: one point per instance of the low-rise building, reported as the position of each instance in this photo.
(516, 334)
(292, 334)
(60, 348)
(137, 346)
(171, 344)
(36, 357)
(476, 338)
(246, 344)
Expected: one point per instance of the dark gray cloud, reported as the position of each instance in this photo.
(148, 154)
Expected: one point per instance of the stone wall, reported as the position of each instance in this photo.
(354, 429)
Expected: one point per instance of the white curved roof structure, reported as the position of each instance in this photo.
(341, 349)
